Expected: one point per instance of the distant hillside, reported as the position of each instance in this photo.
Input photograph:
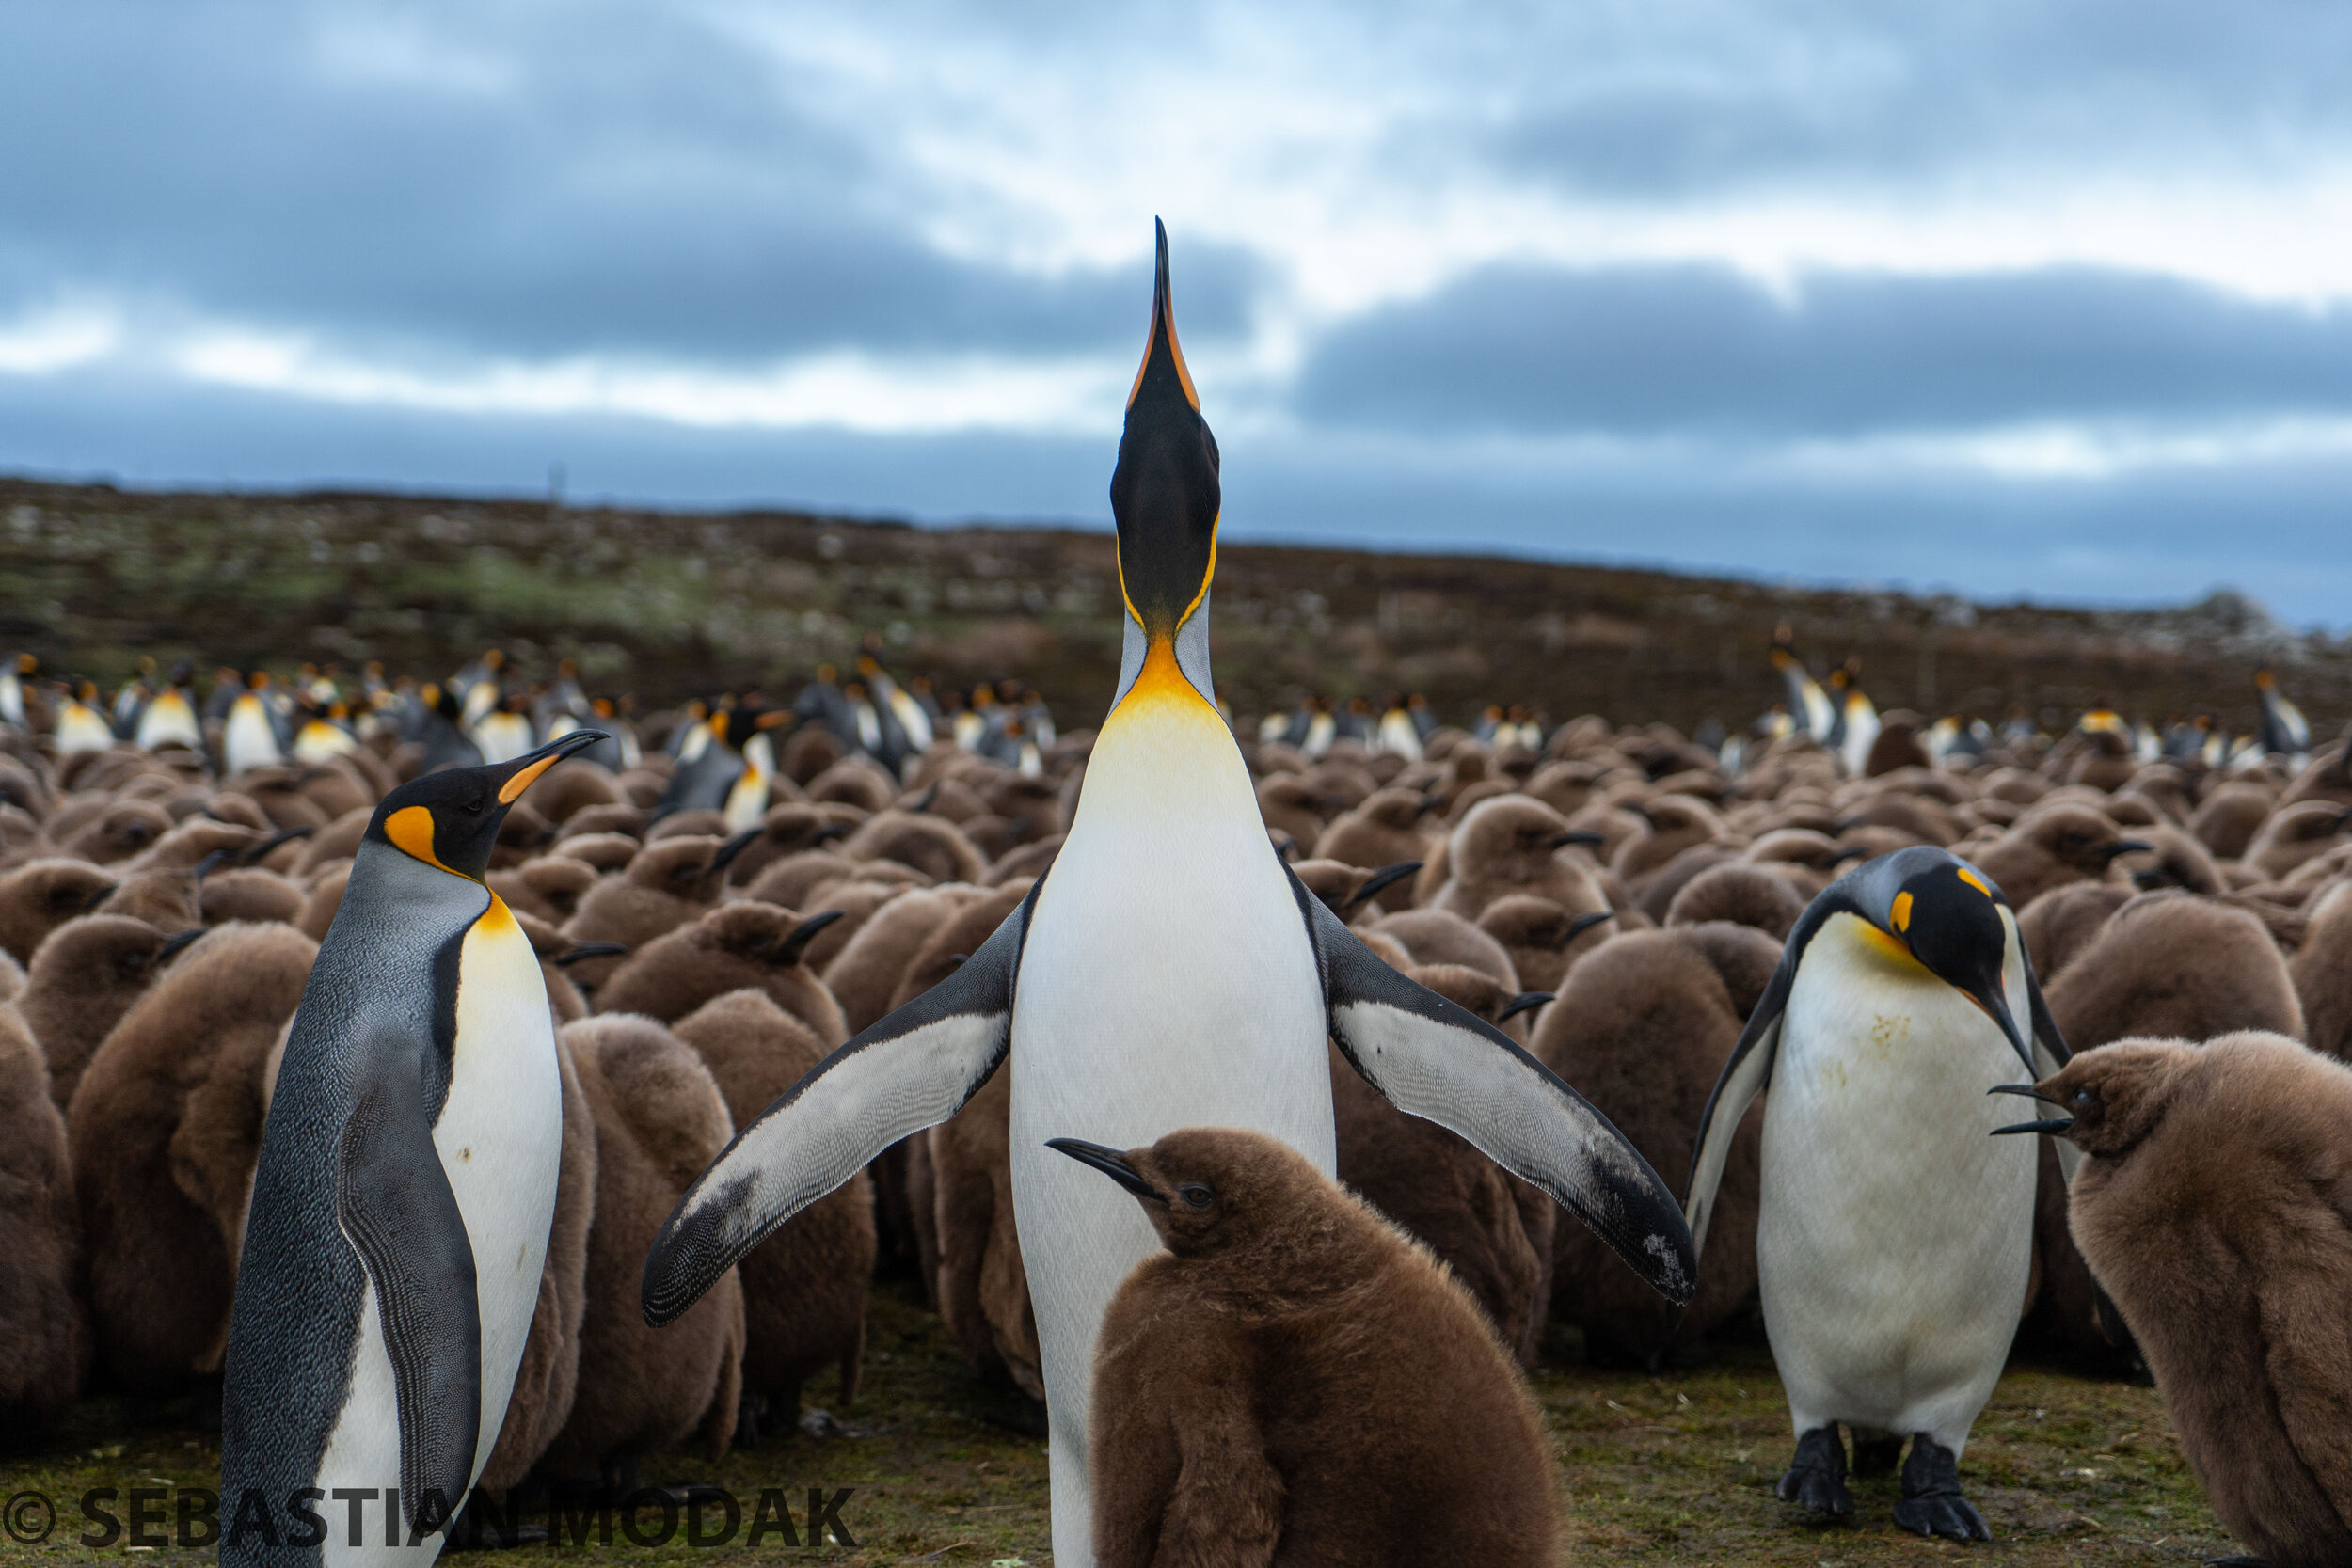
(673, 603)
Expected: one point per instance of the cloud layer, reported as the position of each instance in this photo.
(2017, 297)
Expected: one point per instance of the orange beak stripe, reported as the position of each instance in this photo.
(511, 791)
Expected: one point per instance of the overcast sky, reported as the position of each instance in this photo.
(2016, 296)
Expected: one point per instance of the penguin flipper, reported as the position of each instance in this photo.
(394, 1204)
(912, 1069)
(1745, 1075)
(1438, 1061)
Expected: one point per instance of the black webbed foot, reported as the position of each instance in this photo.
(1932, 1503)
(1816, 1481)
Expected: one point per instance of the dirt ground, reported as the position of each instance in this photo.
(1677, 1469)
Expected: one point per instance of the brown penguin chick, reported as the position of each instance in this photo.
(805, 1287)
(165, 899)
(2230, 816)
(1923, 820)
(1493, 1230)
(1646, 1024)
(549, 887)
(2215, 1203)
(790, 880)
(1355, 893)
(2066, 921)
(123, 830)
(930, 844)
(11, 978)
(549, 1378)
(2174, 860)
(1658, 889)
(2166, 964)
(619, 821)
(551, 947)
(1743, 892)
(41, 896)
(2322, 970)
(709, 823)
(665, 886)
(1387, 828)
(1671, 825)
(854, 781)
(197, 839)
(1023, 862)
(80, 982)
(574, 786)
(44, 1346)
(2051, 847)
(2295, 833)
(1436, 937)
(1512, 845)
(1543, 939)
(979, 1281)
(1289, 803)
(250, 894)
(321, 903)
(745, 944)
(659, 1119)
(792, 828)
(338, 840)
(859, 900)
(865, 975)
(1357, 1407)
(604, 852)
(166, 1128)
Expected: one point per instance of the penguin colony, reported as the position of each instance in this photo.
(1784, 967)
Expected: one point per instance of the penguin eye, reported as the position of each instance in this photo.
(1197, 1196)
(2082, 1099)
(476, 806)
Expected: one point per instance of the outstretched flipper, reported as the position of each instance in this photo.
(1441, 1062)
(1745, 1075)
(911, 1070)
(393, 1201)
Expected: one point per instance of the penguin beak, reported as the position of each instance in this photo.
(2055, 1125)
(2125, 847)
(1526, 1001)
(1385, 877)
(1581, 836)
(178, 940)
(1584, 923)
(733, 848)
(587, 950)
(1996, 1010)
(524, 772)
(1111, 1163)
(789, 950)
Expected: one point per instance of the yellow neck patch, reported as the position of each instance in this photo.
(1161, 681)
(411, 832)
(1887, 947)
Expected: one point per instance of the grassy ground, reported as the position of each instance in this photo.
(1670, 1470)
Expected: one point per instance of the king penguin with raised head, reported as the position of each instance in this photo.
(1895, 1238)
(1167, 972)
(402, 1199)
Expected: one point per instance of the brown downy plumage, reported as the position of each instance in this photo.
(122, 829)
(1389, 826)
(2169, 965)
(790, 880)
(166, 1128)
(325, 896)
(1355, 893)
(2295, 833)
(1292, 804)
(2230, 818)
(1660, 888)
(2065, 922)
(250, 894)
(2323, 971)
(1492, 1230)
(930, 844)
(44, 1343)
(666, 885)
(1543, 939)
(1439, 936)
(2213, 1203)
(1642, 1029)
(858, 900)
(2052, 846)
(1357, 1407)
(791, 828)
(1741, 893)
(735, 946)
(41, 896)
(549, 887)
(165, 899)
(80, 982)
(549, 1378)
(556, 952)
(659, 1119)
(1508, 845)
(1670, 824)
(865, 975)
(805, 1287)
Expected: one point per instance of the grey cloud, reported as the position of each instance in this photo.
(1649, 350)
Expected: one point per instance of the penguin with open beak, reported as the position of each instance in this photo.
(1169, 971)
(1895, 1237)
(404, 1193)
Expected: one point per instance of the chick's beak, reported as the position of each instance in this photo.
(1111, 1163)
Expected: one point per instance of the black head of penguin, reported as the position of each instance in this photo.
(452, 819)
(1165, 494)
(1929, 906)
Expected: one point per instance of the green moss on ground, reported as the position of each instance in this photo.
(1674, 1469)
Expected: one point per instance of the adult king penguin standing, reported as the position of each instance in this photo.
(402, 1200)
(1167, 972)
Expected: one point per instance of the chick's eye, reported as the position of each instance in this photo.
(2082, 1097)
(1194, 1194)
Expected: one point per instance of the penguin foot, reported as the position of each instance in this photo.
(1816, 1481)
(1932, 1503)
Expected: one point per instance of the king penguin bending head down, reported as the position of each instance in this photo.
(1167, 972)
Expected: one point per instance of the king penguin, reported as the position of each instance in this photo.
(403, 1196)
(249, 741)
(1895, 1237)
(1168, 970)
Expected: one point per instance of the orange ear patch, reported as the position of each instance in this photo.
(412, 832)
(1975, 882)
(1902, 912)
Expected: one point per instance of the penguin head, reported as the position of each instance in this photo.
(2107, 1099)
(1930, 908)
(1165, 494)
(450, 819)
(1210, 1190)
